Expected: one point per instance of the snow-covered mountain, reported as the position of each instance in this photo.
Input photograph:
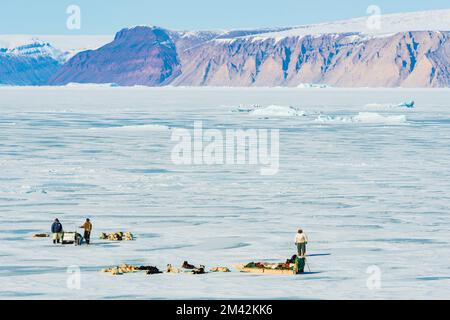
(409, 49)
(382, 25)
(32, 60)
(31, 63)
(65, 46)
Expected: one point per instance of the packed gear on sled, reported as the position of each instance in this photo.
(287, 268)
(71, 238)
(292, 259)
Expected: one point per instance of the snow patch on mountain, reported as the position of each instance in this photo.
(35, 49)
(434, 20)
(59, 47)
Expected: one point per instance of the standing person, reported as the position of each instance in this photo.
(57, 230)
(87, 226)
(301, 240)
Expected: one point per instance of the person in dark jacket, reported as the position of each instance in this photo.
(57, 230)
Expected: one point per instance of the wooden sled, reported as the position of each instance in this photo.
(242, 268)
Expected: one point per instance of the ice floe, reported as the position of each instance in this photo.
(364, 117)
(91, 85)
(271, 111)
(408, 105)
(312, 85)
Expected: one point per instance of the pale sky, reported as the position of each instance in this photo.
(109, 16)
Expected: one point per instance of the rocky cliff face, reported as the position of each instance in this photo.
(138, 56)
(412, 59)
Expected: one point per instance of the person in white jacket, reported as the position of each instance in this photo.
(301, 240)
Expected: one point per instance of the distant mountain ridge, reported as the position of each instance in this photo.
(138, 56)
(408, 50)
(32, 60)
(30, 64)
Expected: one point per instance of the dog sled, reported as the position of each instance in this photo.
(71, 238)
(41, 235)
(291, 267)
(242, 268)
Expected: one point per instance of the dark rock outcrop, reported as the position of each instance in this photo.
(137, 56)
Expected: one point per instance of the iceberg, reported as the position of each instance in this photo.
(407, 104)
(277, 111)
